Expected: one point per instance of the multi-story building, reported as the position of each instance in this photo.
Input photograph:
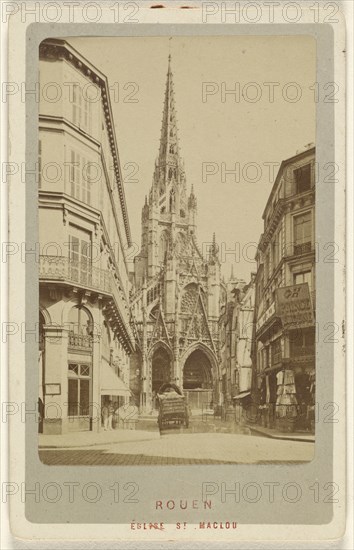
(235, 329)
(176, 301)
(284, 335)
(84, 319)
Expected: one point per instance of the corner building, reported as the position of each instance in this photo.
(176, 302)
(84, 318)
(284, 350)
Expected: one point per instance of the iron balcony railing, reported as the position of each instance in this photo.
(82, 273)
(302, 248)
(80, 341)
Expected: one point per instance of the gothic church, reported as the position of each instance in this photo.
(175, 303)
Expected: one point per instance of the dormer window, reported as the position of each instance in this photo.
(303, 178)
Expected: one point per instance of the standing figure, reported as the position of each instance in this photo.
(110, 416)
(104, 413)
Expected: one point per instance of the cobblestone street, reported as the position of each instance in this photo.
(100, 457)
(174, 447)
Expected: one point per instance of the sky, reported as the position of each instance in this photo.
(265, 124)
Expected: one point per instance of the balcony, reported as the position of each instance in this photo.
(80, 342)
(59, 268)
(83, 275)
(302, 248)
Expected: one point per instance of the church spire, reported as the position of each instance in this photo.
(169, 180)
(169, 147)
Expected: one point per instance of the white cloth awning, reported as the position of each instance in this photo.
(111, 384)
(242, 395)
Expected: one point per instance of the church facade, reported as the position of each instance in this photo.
(176, 301)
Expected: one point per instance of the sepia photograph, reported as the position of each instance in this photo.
(177, 268)
(177, 260)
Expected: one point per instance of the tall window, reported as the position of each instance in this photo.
(82, 109)
(80, 321)
(79, 387)
(303, 178)
(302, 233)
(80, 256)
(303, 277)
(80, 177)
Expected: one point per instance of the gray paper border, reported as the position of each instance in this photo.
(175, 482)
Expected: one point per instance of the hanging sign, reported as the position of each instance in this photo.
(293, 306)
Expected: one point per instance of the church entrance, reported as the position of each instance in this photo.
(197, 380)
(161, 370)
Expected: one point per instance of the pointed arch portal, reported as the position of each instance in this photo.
(198, 380)
(161, 368)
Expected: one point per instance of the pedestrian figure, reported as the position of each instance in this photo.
(105, 413)
(110, 416)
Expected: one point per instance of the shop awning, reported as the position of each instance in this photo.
(111, 384)
(242, 395)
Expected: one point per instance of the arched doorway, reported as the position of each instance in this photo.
(161, 368)
(198, 380)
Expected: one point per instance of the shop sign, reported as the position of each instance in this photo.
(293, 306)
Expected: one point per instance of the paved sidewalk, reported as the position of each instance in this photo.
(275, 434)
(90, 439)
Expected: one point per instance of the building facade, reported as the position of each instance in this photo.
(176, 299)
(235, 329)
(284, 332)
(84, 320)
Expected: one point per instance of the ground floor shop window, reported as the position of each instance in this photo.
(79, 389)
(302, 342)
